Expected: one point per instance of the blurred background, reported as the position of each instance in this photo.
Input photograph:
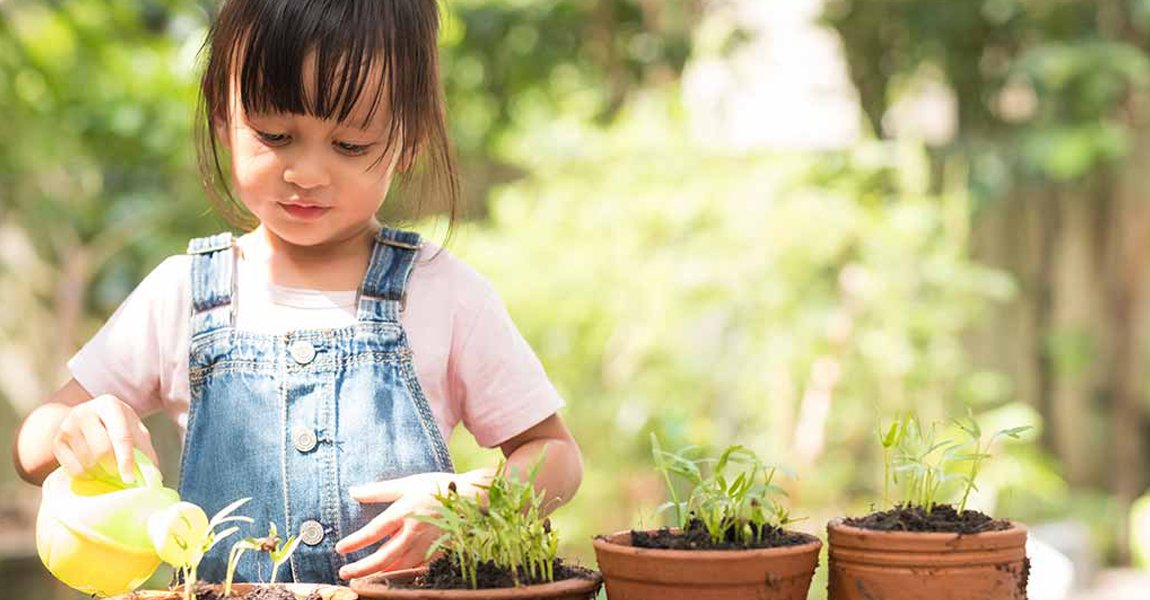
(766, 222)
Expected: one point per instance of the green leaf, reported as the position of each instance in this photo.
(222, 516)
(892, 435)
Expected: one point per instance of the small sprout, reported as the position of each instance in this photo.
(234, 555)
(927, 465)
(182, 535)
(980, 453)
(744, 507)
(279, 554)
(507, 529)
(889, 441)
(269, 544)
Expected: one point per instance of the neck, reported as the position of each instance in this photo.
(337, 264)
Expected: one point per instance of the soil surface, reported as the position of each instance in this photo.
(205, 592)
(943, 519)
(443, 574)
(696, 537)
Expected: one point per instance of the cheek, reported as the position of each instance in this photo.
(369, 188)
(374, 192)
(254, 166)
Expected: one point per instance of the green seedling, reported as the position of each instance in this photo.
(182, 535)
(922, 461)
(744, 503)
(923, 466)
(507, 529)
(234, 555)
(270, 544)
(974, 432)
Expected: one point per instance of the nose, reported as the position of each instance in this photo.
(307, 172)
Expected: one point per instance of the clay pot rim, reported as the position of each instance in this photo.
(365, 586)
(839, 524)
(609, 543)
(300, 589)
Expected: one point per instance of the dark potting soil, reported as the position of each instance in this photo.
(206, 592)
(444, 574)
(696, 537)
(943, 519)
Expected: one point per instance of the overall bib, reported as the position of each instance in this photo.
(293, 420)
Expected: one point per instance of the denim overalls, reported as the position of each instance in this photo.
(293, 420)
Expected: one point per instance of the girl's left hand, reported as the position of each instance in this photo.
(410, 538)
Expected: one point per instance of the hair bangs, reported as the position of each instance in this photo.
(344, 49)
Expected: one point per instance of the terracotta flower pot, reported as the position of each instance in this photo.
(301, 591)
(378, 586)
(897, 565)
(631, 573)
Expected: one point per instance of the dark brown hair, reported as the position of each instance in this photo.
(261, 46)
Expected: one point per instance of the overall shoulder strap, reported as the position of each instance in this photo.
(384, 286)
(213, 282)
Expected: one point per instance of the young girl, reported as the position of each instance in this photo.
(319, 362)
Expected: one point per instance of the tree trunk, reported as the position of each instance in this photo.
(1128, 254)
(1073, 344)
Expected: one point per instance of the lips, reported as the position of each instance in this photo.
(305, 212)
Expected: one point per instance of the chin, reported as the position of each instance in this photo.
(301, 235)
(313, 234)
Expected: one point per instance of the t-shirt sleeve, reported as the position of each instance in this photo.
(502, 387)
(127, 355)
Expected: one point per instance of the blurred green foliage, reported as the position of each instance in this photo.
(776, 301)
(1052, 103)
(1046, 88)
(511, 65)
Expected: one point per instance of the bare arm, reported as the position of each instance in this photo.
(32, 451)
(561, 471)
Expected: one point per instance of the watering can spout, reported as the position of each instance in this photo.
(92, 531)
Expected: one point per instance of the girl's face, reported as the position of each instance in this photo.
(311, 181)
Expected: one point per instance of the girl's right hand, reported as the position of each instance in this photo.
(104, 426)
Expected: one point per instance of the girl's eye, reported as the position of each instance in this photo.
(272, 139)
(352, 149)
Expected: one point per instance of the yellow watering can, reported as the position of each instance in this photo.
(92, 531)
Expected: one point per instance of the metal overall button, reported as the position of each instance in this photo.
(311, 532)
(302, 351)
(303, 439)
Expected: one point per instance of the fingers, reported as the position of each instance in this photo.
(379, 491)
(384, 524)
(416, 553)
(401, 552)
(102, 427)
(67, 458)
(71, 447)
(144, 442)
(119, 433)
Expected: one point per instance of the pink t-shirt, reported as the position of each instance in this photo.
(471, 361)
